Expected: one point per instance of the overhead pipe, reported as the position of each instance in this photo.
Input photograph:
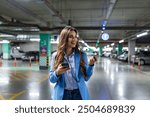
(16, 24)
(54, 11)
(3, 19)
(109, 11)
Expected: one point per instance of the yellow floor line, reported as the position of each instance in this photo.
(15, 78)
(17, 94)
(1, 97)
(42, 80)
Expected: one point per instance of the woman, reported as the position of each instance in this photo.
(70, 80)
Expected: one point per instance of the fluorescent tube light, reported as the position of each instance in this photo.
(107, 46)
(4, 41)
(34, 39)
(121, 41)
(5, 35)
(142, 34)
(112, 44)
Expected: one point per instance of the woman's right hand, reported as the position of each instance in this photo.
(60, 69)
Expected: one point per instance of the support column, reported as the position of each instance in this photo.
(6, 50)
(131, 49)
(114, 49)
(119, 48)
(100, 51)
(45, 51)
(98, 44)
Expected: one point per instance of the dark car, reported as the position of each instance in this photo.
(1, 55)
(143, 57)
(33, 55)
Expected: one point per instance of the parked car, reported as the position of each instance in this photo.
(106, 54)
(114, 55)
(143, 57)
(30, 54)
(124, 56)
(16, 53)
(93, 53)
(1, 55)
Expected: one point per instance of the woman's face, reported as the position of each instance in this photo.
(72, 40)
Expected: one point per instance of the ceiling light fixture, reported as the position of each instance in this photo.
(4, 41)
(112, 44)
(142, 34)
(5, 35)
(121, 41)
(34, 39)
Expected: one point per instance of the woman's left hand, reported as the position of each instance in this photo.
(92, 60)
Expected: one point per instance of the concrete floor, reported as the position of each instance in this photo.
(111, 80)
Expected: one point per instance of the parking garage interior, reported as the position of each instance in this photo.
(117, 32)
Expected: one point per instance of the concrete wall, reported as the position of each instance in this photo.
(34, 46)
(53, 47)
(29, 46)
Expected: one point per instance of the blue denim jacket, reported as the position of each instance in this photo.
(58, 91)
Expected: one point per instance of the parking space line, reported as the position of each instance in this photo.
(17, 94)
(42, 80)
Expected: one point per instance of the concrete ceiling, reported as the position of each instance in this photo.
(124, 17)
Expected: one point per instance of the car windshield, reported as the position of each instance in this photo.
(21, 51)
(32, 53)
(143, 53)
(146, 53)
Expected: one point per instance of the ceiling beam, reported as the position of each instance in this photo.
(17, 24)
(110, 8)
(116, 28)
(28, 12)
(54, 11)
(8, 32)
(3, 19)
(94, 41)
(99, 28)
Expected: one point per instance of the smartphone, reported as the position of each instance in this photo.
(65, 65)
(95, 58)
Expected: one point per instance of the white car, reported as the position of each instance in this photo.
(16, 53)
(123, 57)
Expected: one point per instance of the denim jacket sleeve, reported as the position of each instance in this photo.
(89, 68)
(52, 74)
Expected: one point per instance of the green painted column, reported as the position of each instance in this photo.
(100, 51)
(45, 51)
(98, 44)
(119, 48)
(6, 50)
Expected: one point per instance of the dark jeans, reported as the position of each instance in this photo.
(72, 95)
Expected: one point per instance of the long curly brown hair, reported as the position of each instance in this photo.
(62, 45)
